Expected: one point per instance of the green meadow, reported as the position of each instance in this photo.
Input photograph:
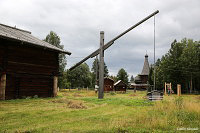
(80, 111)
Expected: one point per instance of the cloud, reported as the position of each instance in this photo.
(79, 23)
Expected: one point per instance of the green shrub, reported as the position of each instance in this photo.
(112, 93)
(28, 97)
(35, 96)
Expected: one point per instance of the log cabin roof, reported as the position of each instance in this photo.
(108, 78)
(16, 34)
(134, 84)
(119, 82)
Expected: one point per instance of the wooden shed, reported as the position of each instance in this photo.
(108, 84)
(28, 66)
(120, 86)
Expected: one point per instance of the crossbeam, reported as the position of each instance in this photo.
(108, 44)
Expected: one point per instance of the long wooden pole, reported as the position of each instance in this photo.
(108, 44)
(101, 67)
(97, 70)
(154, 76)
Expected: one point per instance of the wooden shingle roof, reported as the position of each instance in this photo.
(119, 82)
(145, 70)
(16, 34)
(109, 78)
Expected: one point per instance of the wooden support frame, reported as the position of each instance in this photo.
(103, 47)
(178, 89)
(165, 89)
(108, 44)
(135, 89)
(170, 87)
(55, 86)
(3, 86)
(101, 67)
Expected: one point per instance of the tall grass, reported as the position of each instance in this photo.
(163, 116)
(81, 111)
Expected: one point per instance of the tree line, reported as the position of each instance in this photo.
(180, 65)
(82, 77)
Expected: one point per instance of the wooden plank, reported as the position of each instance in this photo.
(1, 55)
(17, 53)
(35, 59)
(29, 86)
(31, 65)
(32, 70)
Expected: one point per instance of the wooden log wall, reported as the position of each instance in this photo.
(55, 86)
(121, 86)
(30, 70)
(2, 49)
(23, 85)
(108, 85)
(2, 86)
(144, 78)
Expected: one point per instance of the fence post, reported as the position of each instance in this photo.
(170, 87)
(178, 89)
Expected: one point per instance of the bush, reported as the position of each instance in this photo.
(35, 96)
(28, 97)
(112, 93)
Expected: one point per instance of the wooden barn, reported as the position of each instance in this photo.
(28, 66)
(108, 84)
(120, 86)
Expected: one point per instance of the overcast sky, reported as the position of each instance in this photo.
(79, 22)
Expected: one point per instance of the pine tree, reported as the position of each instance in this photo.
(122, 75)
(95, 70)
(54, 39)
(132, 79)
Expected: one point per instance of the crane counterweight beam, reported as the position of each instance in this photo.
(108, 44)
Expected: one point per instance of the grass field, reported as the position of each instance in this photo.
(81, 111)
